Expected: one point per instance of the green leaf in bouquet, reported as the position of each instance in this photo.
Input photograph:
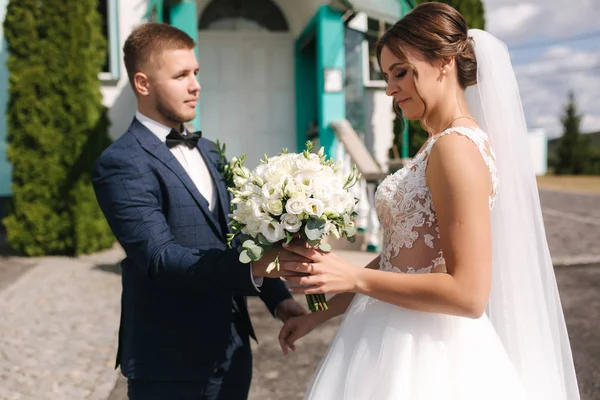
(263, 240)
(315, 228)
(351, 239)
(313, 243)
(351, 231)
(248, 244)
(288, 237)
(245, 257)
(255, 252)
(325, 247)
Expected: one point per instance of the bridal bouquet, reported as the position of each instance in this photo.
(290, 196)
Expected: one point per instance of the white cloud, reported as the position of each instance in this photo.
(545, 83)
(546, 72)
(516, 22)
(511, 19)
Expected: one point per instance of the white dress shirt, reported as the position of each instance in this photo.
(194, 165)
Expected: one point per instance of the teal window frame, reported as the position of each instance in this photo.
(114, 73)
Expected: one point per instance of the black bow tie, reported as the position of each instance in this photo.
(190, 140)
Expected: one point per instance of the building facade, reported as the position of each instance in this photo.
(273, 73)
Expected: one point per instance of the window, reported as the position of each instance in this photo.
(108, 12)
(371, 73)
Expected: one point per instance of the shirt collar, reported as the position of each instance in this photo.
(161, 131)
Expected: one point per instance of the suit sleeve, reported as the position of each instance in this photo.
(134, 214)
(273, 292)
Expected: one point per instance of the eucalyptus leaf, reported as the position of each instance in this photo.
(263, 240)
(313, 243)
(315, 228)
(256, 253)
(248, 244)
(244, 257)
(325, 247)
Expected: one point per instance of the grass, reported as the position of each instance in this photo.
(570, 183)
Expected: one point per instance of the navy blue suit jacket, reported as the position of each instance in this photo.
(178, 276)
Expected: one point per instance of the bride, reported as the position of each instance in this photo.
(462, 303)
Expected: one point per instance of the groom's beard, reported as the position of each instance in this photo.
(169, 113)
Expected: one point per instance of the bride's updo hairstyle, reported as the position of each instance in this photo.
(438, 31)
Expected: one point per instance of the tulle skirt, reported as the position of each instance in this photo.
(386, 352)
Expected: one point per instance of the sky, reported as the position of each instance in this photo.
(554, 47)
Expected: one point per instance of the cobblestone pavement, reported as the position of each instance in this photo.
(58, 330)
(59, 318)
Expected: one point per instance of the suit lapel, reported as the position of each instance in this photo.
(160, 151)
(205, 149)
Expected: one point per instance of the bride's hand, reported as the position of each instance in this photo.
(296, 328)
(328, 272)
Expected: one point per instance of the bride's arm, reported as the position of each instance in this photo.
(460, 185)
(339, 303)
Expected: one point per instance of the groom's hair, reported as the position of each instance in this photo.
(146, 43)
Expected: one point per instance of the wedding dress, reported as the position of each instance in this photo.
(384, 351)
(519, 349)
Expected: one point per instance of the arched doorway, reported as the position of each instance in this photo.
(246, 57)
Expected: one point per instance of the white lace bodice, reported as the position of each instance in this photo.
(411, 238)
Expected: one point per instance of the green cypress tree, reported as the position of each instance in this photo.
(57, 126)
(574, 149)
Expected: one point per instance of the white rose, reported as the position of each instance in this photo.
(272, 231)
(273, 205)
(296, 205)
(291, 222)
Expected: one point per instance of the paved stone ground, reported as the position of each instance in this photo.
(58, 328)
(59, 318)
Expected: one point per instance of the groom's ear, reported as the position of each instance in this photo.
(141, 84)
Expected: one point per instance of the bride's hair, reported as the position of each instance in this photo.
(438, 31)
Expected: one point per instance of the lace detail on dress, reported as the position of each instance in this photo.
(411, 237)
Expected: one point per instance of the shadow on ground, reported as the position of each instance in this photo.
(112, 268)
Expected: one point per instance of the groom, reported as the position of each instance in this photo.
(185, 328)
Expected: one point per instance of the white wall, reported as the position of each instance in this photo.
(379, 124)
(118, 96)
(538, 146)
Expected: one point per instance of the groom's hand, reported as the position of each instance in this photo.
(289, 308)
(259, 268)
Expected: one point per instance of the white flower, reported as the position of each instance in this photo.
(296, 205)
(238, 181)
(315, 207)
(273, 205)
(293, 189)
(272, 230)
(306, 182)
(331, 229)
(291, 222)
(270, 190)
(311, 164)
